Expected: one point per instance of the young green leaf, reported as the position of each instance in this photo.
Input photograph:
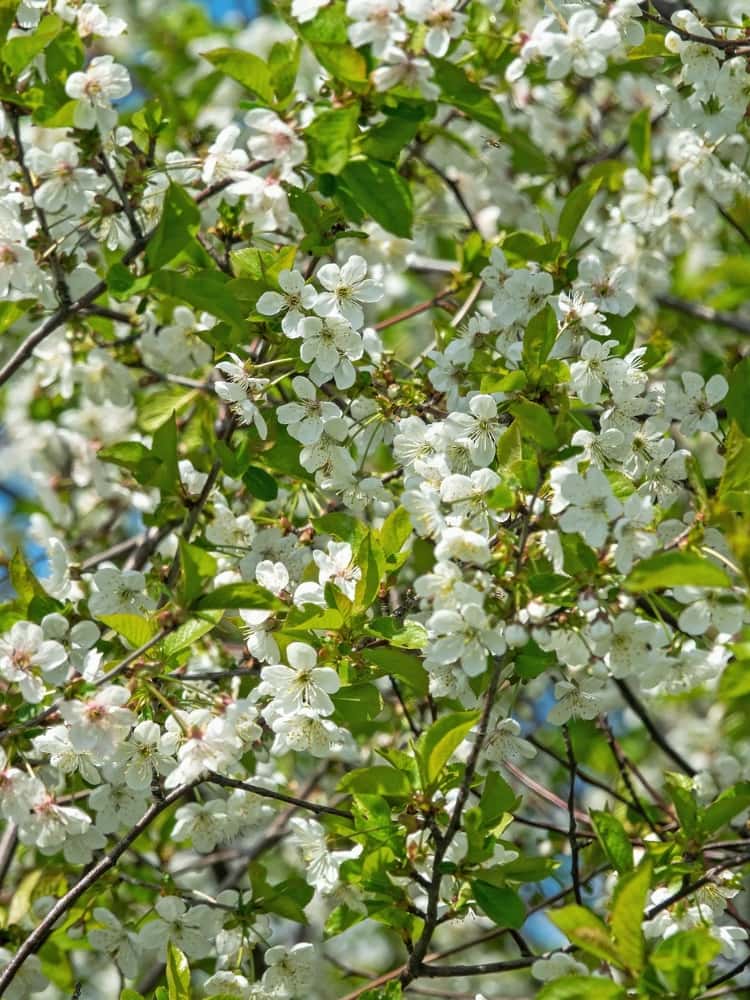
(576, 205)
(380, 191)
(613, 839)
(672, 569)
(178, 974)
(437, 744)
(246, 68)
(628, 907)
(502, 905)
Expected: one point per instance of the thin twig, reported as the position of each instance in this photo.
(442, 844)
(314, 807)
(698, 311)
(653, 729)
(42, 931)
(575, 870)
(455, 189)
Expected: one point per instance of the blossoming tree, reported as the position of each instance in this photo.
(375, 468)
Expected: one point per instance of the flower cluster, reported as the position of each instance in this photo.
(375, 463)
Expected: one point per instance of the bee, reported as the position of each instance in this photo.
(490, 140)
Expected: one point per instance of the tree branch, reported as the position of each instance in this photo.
(442, 844)
(653, 730)
(731, 320)
(42, 931)
(314, 807)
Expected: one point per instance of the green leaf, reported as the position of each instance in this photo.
(283, 64)
(401, 665)
(369, 559)
(457, 89)
(260, 483)
(581, 988)
(302, 620)
(22, 898)
(164, 450)
(497, 799)
(574, 209)
(245, 68)
(177, 226)
(343, 62)
(585, 930)
(287, 899)
(737, 400)
(357, 703)
(539, 339)
(133, 628)
(198, 568)
(341, 526)
(725, 807)
(394, 533)
(160, 406)
(683, 961)
(11, 311)
(526, 869)
(380, 192)
(502, 905)
(19, 52)
(7, 15)
(377, 780)
(733, 487)
(437, 744)
(535, 423)
(387, 140)
(391, 991)
(531, 660)
(131, 995)
(403, 635)
(681, 789)
(614, 840)
(238, 595)
(262, 265)
(675, 569)
(178, 974)
(189, 633)
(204, 290)
(329, 139)
(628, 906)
(25, 584)
(639, 139)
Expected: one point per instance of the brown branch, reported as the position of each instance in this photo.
(314, 807)
(42, 931)
(572, 837)
(26, 349)
(127, 207)
(480, 969)
(542, 792)
(586, 776)
(482, 939)
(623, 763)
(104, 679)
(653, 730)
(443, 841)
(61, 285)
(435, 302)
(709, 315)
(729, 45)
(455, 188)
